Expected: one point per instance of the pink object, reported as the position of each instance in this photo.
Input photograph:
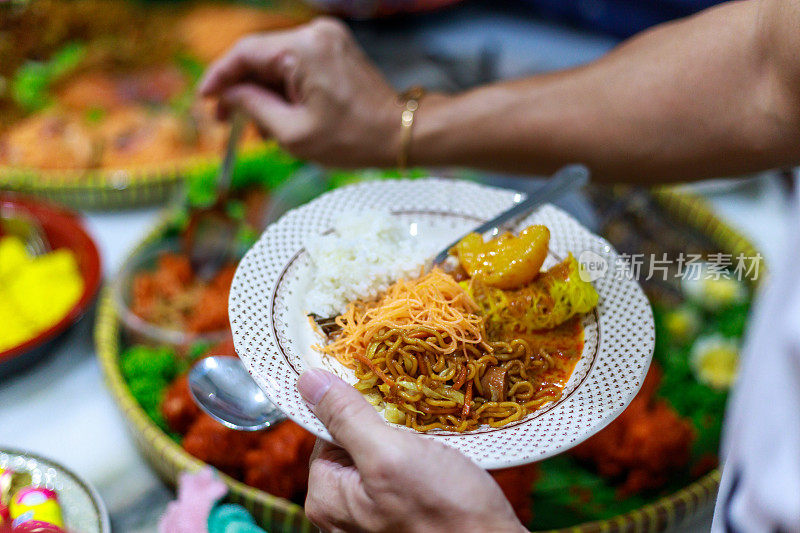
(197, 493)
(35, 526)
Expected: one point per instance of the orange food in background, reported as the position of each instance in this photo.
(109, 91)
(279, 462)
(171, 296)
(212, 309)
(132, 137)
(645, 445)
(516, 485)
(178, 407)
(49, 140)
(209, 30)
(219, 446)
(128, 135)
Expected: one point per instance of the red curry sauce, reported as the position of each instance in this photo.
(564, 344)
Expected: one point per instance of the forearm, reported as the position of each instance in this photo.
(701, 97)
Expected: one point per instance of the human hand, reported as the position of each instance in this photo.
(314, 91)
(382, 479)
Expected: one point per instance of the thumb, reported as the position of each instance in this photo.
(267, 108)
(351, 420)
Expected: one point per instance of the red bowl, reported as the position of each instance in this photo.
(64, 229)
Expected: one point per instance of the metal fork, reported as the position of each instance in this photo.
(27, 229)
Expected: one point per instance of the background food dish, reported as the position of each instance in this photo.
(113, 112)
(62, 229)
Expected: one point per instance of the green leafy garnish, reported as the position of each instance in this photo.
(267, 166)
(151, 363)
(567, 493)
(30, 87)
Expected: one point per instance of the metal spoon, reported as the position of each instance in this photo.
(566, 179)
(27, 229)
(211, 232)
(223, 388)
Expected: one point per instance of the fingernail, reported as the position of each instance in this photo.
(313, 384)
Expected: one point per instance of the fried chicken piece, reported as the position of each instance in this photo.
(223, 348)
(211, 312)
(275, 460)
(644, 446)
(219, 446)
(179, 408)
(279, 464)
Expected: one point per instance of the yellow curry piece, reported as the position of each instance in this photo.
(35, 292)
(507, 261)
(548, 301)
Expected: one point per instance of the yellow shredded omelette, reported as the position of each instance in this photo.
(35, 292)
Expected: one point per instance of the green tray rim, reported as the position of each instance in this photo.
(110, 189)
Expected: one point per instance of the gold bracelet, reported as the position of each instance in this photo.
(409, 100)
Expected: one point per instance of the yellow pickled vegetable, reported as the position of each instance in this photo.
(35, 292)
(505, 262)
(550, 300)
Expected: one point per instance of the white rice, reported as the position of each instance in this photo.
(368, 251)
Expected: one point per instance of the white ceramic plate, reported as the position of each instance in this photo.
(273, 336)
(81, 507)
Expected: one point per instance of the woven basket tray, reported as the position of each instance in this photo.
(106, 189)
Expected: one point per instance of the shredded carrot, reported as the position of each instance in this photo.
(467, 401)
(435, 301)
(460, 378)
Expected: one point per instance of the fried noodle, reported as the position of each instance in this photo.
(421, 352)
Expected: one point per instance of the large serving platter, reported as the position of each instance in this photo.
(274, 337)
